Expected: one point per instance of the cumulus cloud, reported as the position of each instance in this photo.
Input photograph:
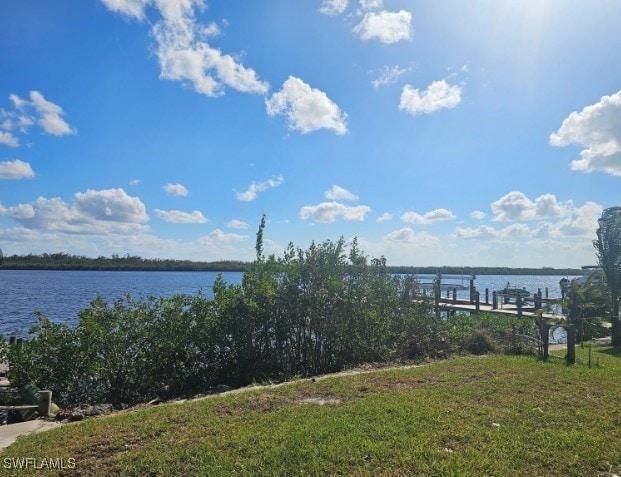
(438, 215)
(387, 27)
(388, 76)
(37, 110)
(339, 193)
(306, 109)
(580, 221)
(130, 8)
(8, 139)
(237, 224)
(438, 95)
(371, 4)
(484, 232)
(328, 212)
(598, 128)
(110, 211)
(575, 222)
(516, 206)
(253, 190)
(50, 116)
(477, 215)
(333, 7)
(176, 189)
(218, 237)
(408, 236)
(182, 51)
(385, 217)
(179, 217)
(16, 170)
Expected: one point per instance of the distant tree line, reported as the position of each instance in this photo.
(65, 261)
(450, 270)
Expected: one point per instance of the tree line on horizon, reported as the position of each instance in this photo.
(65, 261)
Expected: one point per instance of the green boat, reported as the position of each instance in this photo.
(514, 292)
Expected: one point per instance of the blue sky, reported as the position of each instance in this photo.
(437, 132)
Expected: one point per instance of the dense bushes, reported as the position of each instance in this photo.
(312, 311)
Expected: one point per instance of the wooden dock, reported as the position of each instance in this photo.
(511, 309)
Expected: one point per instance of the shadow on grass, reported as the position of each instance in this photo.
(612, 351)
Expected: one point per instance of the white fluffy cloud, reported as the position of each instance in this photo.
(515, 206)
(50, 116)
(16, 170)
(438, 215)
(237, 224)
(253, 190)
(598, 129)
(573, 222)
(306, 109)
(408, 236)
(328, 212)
(387, 27)
(339, 193)
(109, 211)
(218, 237)
(371, 4)
(477, 214)
(182, 52)
(8, 139)
(176, 189)
(179, 217)
(438, 95)
(385, 217)
(333, 7)
(485, 232)
(38, 110)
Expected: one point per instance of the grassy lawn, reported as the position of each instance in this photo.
(497, 415)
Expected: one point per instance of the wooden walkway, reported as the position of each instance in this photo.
(511, 309)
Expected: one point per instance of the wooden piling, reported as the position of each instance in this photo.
(494, 300)
(45, 403)
(570, 358)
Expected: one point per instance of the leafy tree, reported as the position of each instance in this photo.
(608, 247)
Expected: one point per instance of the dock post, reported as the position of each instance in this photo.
(544, 329)
(494, 300)
(518, 301)
(454, 295)
(487, 296)
(571, 344)
(477, 301)
(45, 403)
(547, 293)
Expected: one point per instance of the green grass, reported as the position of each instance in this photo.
(497, 415)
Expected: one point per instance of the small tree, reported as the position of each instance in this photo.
(608, 246)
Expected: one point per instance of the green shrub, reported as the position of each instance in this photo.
(310, 312)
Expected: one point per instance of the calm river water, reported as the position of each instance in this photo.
(60, 295)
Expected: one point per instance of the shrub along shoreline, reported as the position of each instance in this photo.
(310, 312)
